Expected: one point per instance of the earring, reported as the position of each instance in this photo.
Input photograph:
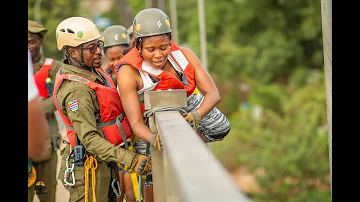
(140, 53)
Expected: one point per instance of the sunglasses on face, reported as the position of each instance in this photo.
(92, 48)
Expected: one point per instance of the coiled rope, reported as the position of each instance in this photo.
(92, 164)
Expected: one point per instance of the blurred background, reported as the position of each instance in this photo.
(266, 58)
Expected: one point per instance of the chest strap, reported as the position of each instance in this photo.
(116, 121)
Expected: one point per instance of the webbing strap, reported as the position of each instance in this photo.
(122, 132)
(118, 119)
(135, 182)
(150, 112)
(101, 125)
(69, 127)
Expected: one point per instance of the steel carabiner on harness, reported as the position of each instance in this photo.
(117, 192)
(69, 171)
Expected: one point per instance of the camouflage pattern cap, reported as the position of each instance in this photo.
(35, 27)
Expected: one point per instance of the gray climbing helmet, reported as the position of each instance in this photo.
(150, 22)
(115, 35)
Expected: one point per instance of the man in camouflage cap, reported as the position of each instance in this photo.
(44, 185)
(35, 27)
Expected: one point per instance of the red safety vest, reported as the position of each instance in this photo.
(168, 80)
(41, 76)
(114, 123)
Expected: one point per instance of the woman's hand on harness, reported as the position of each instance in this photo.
(193, 119)
(141, 164)
(155, 142)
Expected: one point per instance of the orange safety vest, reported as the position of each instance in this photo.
(167, 79)
(41, 76)
(114, 123)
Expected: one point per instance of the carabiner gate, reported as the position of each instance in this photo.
(68, 171)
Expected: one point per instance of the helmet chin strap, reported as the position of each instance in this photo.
(82, 64)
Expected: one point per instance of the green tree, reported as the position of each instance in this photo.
(262, 39)
(52, 12)
(287, 142)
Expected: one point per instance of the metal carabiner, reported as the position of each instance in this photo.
(68, 171)
(117, 192)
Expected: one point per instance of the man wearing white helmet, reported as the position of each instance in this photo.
(89, 105)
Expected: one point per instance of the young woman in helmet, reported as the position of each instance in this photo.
(116, 40)
(89, 105)
(156, 62)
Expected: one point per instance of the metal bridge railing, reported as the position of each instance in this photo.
(186, 170)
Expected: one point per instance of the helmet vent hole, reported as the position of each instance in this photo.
(70, 31)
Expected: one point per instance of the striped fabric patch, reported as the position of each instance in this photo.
(73, 105)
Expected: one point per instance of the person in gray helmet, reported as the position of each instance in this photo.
(155, 62)
(116, 40)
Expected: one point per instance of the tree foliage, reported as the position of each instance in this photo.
(288, 141)
(52, 12)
